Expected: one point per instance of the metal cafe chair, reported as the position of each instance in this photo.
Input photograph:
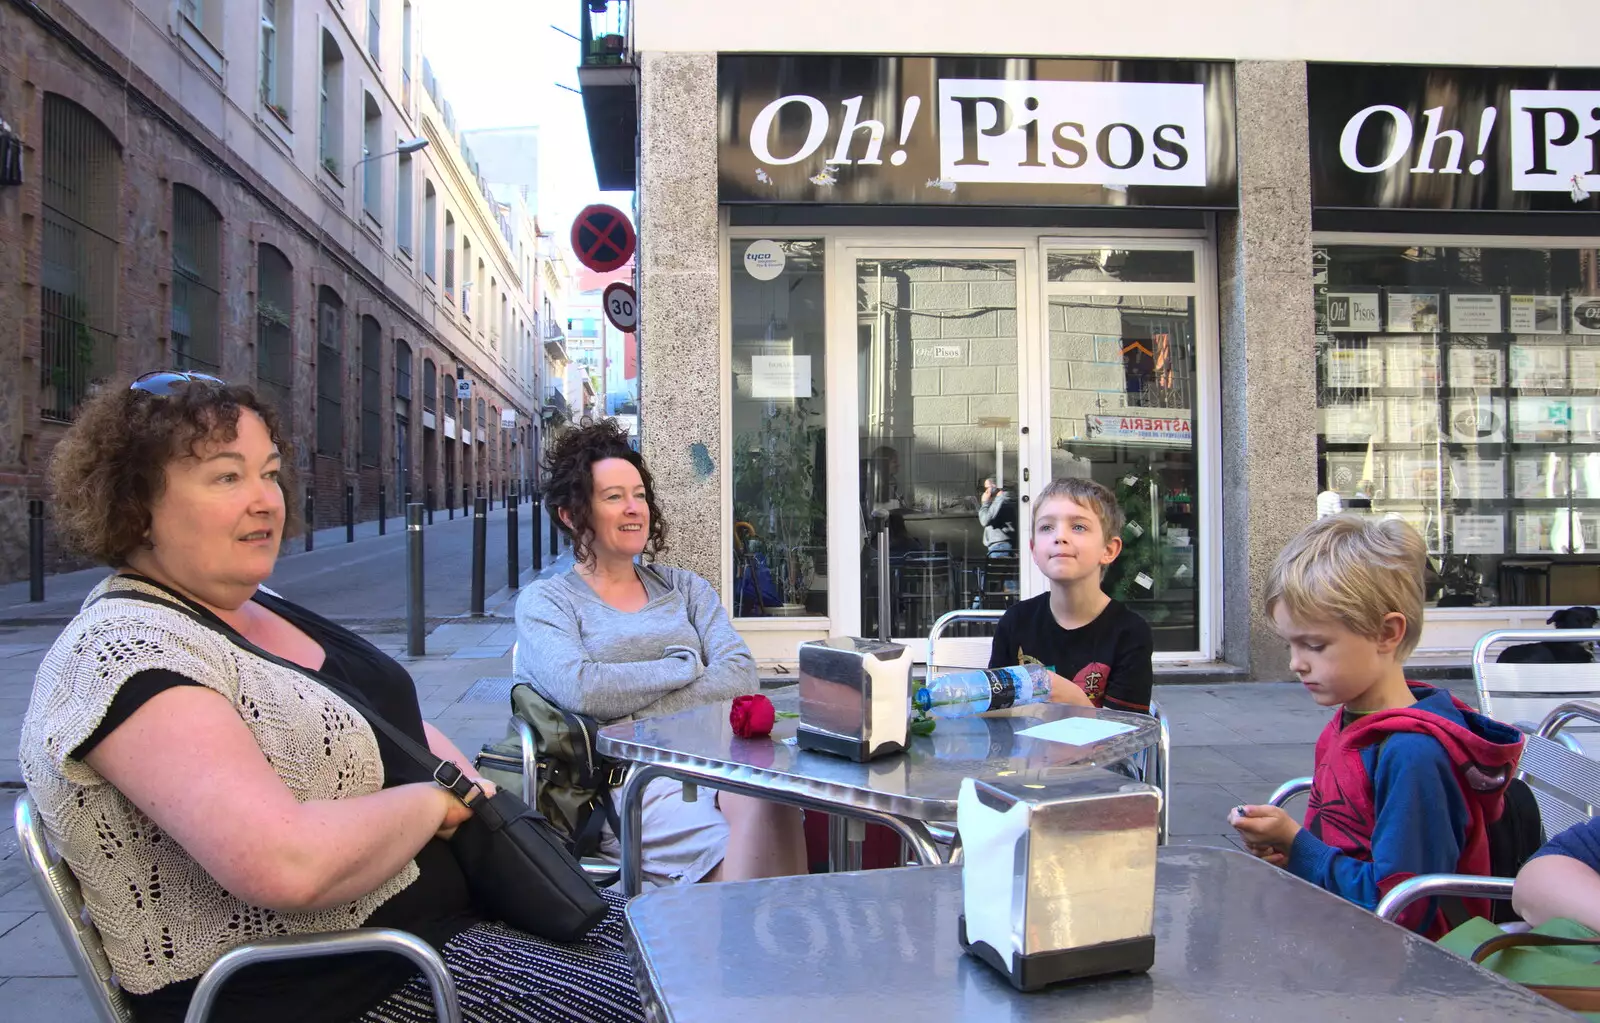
(63, 902)
(952, 652)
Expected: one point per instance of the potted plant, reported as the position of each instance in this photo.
(775, 474)
(331, 165)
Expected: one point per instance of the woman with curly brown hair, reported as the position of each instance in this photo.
(195, 762)
(616, 639)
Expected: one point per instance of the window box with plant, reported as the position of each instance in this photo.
(331, 165)
(279, 111)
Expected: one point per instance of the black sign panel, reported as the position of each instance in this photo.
(1455, 138)
(994, 131)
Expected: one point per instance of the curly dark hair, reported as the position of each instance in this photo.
(111, 465)
(569, 483)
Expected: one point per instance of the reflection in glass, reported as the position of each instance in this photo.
(1095, 266)
(937, 350)
(779, 406)
(1122, 412)
(1459, 389)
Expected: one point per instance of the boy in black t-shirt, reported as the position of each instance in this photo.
(1097, 650)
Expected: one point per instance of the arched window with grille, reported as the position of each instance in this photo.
(371, 391)
(78, 275)
(330, 372)
(196, 281)
(274, 328)
(430, 386)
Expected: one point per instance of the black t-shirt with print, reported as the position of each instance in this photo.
(1109, 658)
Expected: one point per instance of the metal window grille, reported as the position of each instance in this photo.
(78, 277)
(196, 281)
(274, 328)
(371, 390)
(330, 373)
(430, 385)
(482, 413)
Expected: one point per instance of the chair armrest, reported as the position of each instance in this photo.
(367, 939)
(1427, 886)
(1288, 790)
(1566, 714)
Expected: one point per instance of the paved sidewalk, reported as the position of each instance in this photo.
(1231, 743)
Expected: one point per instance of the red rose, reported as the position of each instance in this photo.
(752, 716)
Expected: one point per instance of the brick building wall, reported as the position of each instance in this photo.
(160, 145)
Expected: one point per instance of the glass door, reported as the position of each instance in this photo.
(1126, 405)
(940, 487)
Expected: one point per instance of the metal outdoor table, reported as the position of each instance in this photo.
(900, 792)
(1236, 940)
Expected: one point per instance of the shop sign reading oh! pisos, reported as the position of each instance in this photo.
(803, 128)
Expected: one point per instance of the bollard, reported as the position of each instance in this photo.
(311, 520)
(35, 551)
(466, 499)
(535, 547)
(349, 514)
(383, 510)
(450, 501)
(513, 575)
(428, 499)
(416, 640)
(480, 540)
(408, 497)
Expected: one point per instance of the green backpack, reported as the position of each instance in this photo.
(572, 782)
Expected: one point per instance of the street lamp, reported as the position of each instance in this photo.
(405, 148)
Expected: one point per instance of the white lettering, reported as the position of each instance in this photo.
(847, 135)
(1431, 137)
(761, 130)
(1399, 142)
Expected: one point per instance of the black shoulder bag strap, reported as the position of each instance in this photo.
(444, 772)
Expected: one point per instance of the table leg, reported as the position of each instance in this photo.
(631, 813)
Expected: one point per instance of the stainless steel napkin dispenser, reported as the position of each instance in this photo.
(855, 697)
(1058, 881)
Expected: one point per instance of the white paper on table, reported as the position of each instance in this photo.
(1075, 731)
(989, 841)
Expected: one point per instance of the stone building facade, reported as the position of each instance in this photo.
(245, 194)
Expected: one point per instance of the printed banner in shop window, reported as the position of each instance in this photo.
(995, 131)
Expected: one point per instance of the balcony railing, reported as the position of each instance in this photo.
(605, 32)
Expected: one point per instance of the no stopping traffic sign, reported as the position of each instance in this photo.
(602, 238)
(622, 306)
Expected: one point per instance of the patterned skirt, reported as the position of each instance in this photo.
(509, 976)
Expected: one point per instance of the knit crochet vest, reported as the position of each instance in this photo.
(162, 918)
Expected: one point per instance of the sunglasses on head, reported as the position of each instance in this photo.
(162, 382)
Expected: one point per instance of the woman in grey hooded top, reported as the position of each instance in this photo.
(615, 639)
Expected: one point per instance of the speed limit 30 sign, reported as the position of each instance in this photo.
(622, 306)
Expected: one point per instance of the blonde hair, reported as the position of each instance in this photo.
(1354, 571)
(1088, 494)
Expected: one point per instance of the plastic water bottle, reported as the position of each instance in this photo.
(973, 692)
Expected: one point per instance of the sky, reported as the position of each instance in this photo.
(498, 62)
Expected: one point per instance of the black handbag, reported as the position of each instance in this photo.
(516, 865)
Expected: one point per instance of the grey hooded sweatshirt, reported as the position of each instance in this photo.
(678, 651)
